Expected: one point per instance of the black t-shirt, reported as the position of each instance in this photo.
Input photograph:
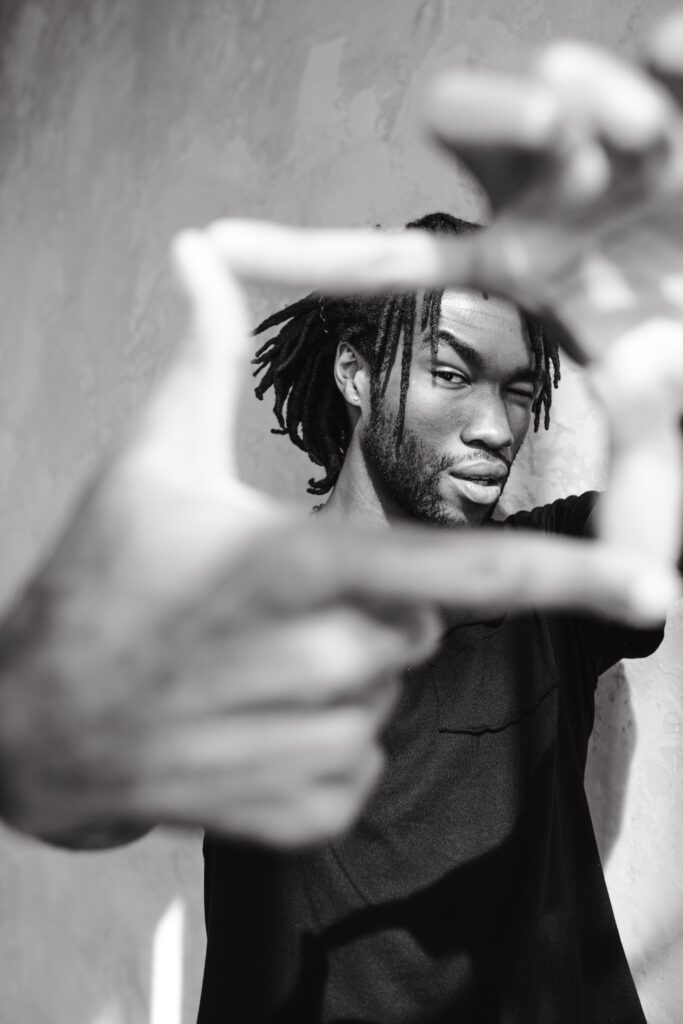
(471, 890)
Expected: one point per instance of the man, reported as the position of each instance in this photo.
(471, 889)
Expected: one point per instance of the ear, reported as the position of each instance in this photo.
(352, 376)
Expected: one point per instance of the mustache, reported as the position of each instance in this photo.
(478, 456)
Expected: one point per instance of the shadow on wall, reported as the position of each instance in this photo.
(611, 751)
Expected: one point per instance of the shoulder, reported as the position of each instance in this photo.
(569, 516)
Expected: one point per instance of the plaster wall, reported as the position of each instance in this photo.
(122, 121)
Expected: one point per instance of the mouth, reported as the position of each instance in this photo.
(480, 485)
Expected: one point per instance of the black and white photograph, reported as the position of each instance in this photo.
(341, 512)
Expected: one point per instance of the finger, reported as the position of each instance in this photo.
(307, 814)
(664, 53)
(645, 495)
(342, 261)
(612, 99)
(256, 755)
(492, 571)
(305, 661)
(191, 418)
(274, 806)
(501, 126)
(420, 567)
(640, 383)
(492, 109)
(330, 809)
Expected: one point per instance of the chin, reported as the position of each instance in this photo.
(476, 516)
(443, 515)
(430, 505)
(481, 516)
(448, 513)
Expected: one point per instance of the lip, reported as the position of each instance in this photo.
(478, 493)
(496, 471)
(480, 482)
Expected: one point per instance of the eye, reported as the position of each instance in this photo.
(450, 376)
(525, 394)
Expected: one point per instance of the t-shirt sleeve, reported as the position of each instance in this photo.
(572, 517)
(569, 516)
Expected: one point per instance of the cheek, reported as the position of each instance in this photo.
(434, 414)
(519, 419)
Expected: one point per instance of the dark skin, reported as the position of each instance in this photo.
(467, 414)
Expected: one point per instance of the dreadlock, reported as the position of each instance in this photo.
(298, 361)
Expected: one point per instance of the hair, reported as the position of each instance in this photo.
(298, 362)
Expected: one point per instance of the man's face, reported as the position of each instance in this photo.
(467, 413)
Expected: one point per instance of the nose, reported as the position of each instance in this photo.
(488, 424)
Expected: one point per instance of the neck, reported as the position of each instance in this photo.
(358, 496)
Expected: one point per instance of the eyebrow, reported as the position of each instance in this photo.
(473, 357)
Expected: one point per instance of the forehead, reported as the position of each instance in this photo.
(492, 326)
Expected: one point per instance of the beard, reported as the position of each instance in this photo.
(409, 469)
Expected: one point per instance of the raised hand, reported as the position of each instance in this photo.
(588, 231)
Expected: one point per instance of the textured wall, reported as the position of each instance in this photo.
(120, 122)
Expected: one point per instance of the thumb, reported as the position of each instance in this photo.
(189, 422)
(338, 261)
(502, 127)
